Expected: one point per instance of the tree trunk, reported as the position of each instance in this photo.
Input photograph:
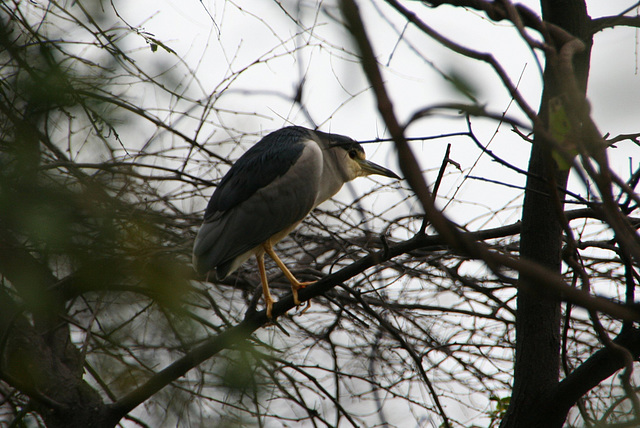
(537, 359)
(37, 356)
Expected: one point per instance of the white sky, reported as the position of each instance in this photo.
(336, 92)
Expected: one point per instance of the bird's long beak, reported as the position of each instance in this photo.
(369, 168)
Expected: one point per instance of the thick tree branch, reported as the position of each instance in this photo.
(594, 370)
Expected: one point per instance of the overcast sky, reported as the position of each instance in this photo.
(219, 39)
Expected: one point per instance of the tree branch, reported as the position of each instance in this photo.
(594, 370)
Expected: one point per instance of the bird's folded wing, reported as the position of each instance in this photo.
(270, 209)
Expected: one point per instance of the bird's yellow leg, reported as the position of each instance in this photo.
(295, 284)
(268, 300)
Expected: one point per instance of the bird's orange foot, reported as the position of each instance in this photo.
(297, 286)
(306, 307)
(269, 303)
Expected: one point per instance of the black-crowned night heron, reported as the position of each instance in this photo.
(267, 193)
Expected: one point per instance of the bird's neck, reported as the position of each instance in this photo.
(332, 178)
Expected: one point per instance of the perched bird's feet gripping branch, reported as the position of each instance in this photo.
(295, 284)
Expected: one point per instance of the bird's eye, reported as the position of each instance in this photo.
(353, 154)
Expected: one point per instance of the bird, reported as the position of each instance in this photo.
(265, 195)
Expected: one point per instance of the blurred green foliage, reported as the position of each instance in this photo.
(92, 258)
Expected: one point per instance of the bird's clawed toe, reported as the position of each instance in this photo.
(294, 290)
(269, 306)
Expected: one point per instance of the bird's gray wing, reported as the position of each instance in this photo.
(266, 160)
(262, 195)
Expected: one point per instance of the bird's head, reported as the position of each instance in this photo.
(351, 158)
